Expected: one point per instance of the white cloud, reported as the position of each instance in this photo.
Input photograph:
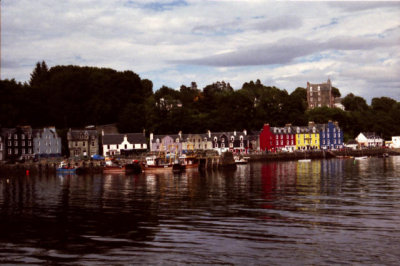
(356, 45)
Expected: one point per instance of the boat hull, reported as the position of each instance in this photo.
(114, 170)
(66, 170)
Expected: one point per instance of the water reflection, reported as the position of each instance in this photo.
(321, 212)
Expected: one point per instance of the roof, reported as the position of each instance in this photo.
(119, 138)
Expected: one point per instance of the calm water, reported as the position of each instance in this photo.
(323, 212)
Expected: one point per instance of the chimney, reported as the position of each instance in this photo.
(180, 134)
(209, 133)
(234, 133)
(245, 132)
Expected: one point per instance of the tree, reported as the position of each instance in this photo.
(354, 103)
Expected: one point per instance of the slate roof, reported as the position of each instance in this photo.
(133, 138)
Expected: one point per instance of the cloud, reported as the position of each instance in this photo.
(286, 50)
(363, 5)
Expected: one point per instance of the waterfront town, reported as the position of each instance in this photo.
(23, 143)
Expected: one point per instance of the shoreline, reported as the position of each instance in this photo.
(94, 167)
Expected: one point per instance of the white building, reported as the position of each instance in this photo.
(369, 139)
(117, 144)
(396, 142)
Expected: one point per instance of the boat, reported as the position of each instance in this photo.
(361, 158)
(178, 167)
(344, 157)
(113, 167)
(241, 160)
(304, 160)
(155, 163)
(133, 168)
(67, 168)
(189, 161)
(384, 155)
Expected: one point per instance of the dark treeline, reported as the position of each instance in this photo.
(73, 96)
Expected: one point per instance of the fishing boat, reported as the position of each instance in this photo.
(113, 167)
(67, 168)
(241, 160)
(133, 168)
(189, 161)
(155, 163)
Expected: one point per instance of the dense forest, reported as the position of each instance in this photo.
(74, 96)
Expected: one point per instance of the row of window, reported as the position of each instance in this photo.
(16, 151)
(16, 136)
(23, 143)
(142, 146)
(76, 143)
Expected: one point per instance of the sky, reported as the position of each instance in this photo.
(174, 42)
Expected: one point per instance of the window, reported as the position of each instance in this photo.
(15, 151)
(126, 146)
(93, 143)
(9, 151)
(15, 143)
(23, 151)
(29, 143)
(76, 144)
(15, 136)
(22, 136)
(83, 143)
(108, 146)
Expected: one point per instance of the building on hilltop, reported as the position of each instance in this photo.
(319, 95)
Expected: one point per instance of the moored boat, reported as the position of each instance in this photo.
(304, 160)
(154, 163)
(67, 168)
(241, 160)
(361, 158)
(113, 167)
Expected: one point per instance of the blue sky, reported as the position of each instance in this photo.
(284, 43)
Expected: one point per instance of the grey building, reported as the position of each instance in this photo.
(46, 142)
(83, 142)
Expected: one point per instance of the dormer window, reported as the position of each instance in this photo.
(232, 138)
(241, 138)
(215, 139)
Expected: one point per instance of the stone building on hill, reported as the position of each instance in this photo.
(319, 95)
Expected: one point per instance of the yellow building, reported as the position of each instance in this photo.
(307, 138)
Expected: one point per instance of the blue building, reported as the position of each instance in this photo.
(331, 136)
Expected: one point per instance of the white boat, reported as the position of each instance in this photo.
(304, 160)
(241, 160)
(360, 158)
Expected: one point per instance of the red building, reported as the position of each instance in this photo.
(277, 138)
(267, 139)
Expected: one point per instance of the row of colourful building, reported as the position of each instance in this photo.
(27, 143)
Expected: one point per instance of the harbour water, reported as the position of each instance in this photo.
(323, 212)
